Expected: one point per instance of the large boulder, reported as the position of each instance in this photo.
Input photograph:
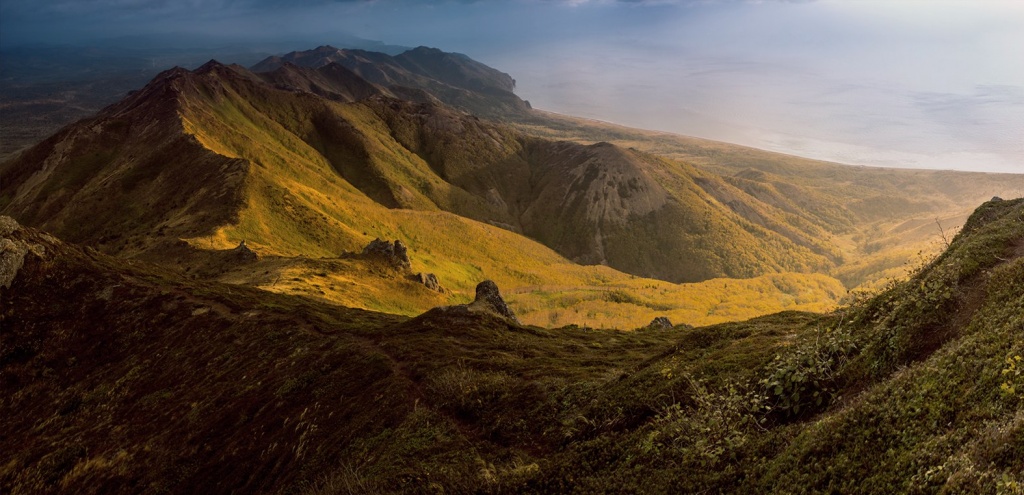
(663, 323)
(489, 299)
(429, 280)
(660, 323)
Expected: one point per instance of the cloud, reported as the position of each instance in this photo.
(104, 7)
(684, 3)
(851, 80)
(98, 6)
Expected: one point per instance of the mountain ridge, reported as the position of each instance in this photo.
(357, 141)
(310, 163)
(453, 78)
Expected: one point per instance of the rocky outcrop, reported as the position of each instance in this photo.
(429, 280)
(394, 254)
(489, 300)
(13, 251)
(660, 323)
(243, 253)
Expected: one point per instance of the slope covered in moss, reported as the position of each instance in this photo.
(127, 378)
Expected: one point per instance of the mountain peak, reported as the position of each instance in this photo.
(170, 74)
(428, 51)
(209, 66)
(425, 49)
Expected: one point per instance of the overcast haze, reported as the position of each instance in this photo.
(933, 84)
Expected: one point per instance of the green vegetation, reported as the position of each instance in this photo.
(628, 304)
(217, 156)
(872, 222)
(307, 369)
(916, 390)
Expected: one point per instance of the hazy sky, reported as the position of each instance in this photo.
(915, 83)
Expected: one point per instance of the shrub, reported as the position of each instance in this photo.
(804, 379)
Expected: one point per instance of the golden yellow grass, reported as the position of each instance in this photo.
(300, 209)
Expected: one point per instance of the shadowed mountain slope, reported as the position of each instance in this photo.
(122, 377)
(331, 81)
(453, 78)
(169, 385)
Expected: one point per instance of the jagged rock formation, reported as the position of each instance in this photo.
(394, 253)
(488, 299)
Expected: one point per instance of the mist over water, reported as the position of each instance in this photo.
(902, 83)
(807, 79)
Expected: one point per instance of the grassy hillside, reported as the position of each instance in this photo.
(291, 163)
(124, 184)
(216, 156)
(143, 353)
(142, 381)
(879, 220)
(309, 174)
(914, 391)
